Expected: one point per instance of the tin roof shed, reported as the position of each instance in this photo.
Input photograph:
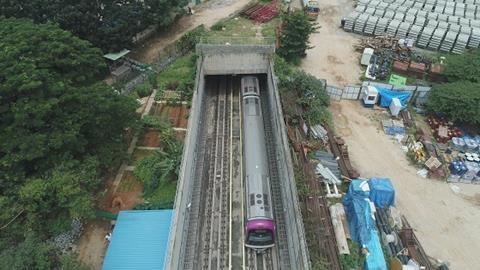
(139, 240)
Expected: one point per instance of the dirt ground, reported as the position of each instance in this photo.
(92, 247)
(446, 223)
(207, 14)
(333, 57)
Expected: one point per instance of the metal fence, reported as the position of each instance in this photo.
(418, 94)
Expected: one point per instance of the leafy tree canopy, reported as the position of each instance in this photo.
(459, 101)
(58, 128)
(109, 24)
(33, 253)
(297, 29)
(464, 67)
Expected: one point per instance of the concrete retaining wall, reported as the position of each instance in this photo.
(181, 212)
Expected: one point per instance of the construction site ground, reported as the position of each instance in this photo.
(445, 221)
(207, 14)
(333, 57)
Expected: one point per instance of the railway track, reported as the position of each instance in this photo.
(260, 261)
(216, 226)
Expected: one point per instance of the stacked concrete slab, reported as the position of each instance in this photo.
(446, 25)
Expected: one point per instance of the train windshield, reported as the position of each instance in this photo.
(260, 237)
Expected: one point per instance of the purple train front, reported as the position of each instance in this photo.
(260, 226)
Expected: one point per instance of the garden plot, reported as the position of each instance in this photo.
(140, 154)
(176, 114)
(151, 138)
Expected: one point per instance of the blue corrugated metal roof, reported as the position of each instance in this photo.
(139, 240)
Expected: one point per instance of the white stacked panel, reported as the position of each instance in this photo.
(454, 28)
(460, 44)
(403, 29)
(474, 40)
(383, 5)
(421, 21)
(436, 39)
(425, 36)
(442, 25)
(379, 12)
(360, 8)
(360, 23)
(399, 16)
(370, 26)
(389, 14)
(381, 27)
(453, 19)
(464, 22)
(418, 5)
(369, 10)
(475, 23)
(350, 21)
(442, 17)
(392, 27)
(448, 41)
(409, 18)
(414, 32)
(402, 9)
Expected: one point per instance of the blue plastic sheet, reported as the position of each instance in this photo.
(362, 224)
(387, 95)
(382, 193)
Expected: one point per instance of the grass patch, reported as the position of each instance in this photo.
(179, 76)
(235, 27)
(140, 154)
(269, 29)
(179, 70)
(162, 198)
(128, 182)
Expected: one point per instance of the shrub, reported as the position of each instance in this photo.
(144, 90)
(464, 67)
(459, 101)
(188, 41)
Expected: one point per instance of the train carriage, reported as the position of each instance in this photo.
(260, 225)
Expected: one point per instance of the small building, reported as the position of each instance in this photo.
(118, 65)
(139, 240)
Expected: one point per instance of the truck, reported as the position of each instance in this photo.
(311, 8)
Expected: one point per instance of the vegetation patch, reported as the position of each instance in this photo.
(308, 92)
(128, 182)
(178, 77)
(140, 154)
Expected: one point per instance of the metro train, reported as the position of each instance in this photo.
(260, 225)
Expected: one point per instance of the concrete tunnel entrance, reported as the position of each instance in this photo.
(196, 237)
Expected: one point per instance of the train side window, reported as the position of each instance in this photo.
(265, 199)
(252, 199)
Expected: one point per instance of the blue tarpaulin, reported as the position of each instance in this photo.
(362, 224)
(387, 95)
(382, 193)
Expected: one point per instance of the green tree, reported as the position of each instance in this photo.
(109, 24)
(33, 253)
(296, 31)
(58, 127)
(463, 67)
(164, 164)
(459, 101)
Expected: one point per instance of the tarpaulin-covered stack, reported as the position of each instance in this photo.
(361, 220)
